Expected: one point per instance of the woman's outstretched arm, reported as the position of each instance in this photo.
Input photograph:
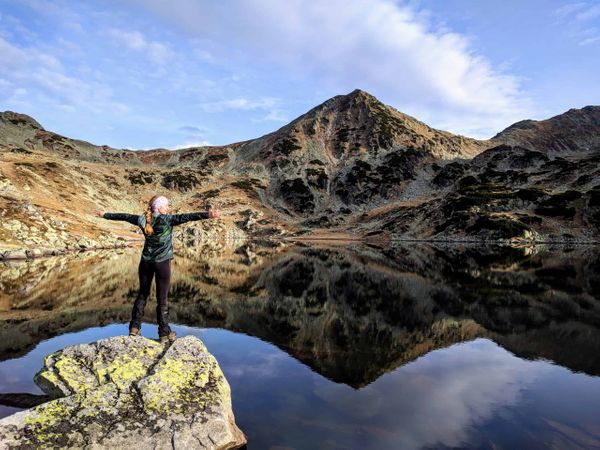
(178, 219)
(131, 218)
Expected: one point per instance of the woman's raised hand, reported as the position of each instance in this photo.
(99, 213)
(214, 213)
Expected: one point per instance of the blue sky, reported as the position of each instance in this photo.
(155, 73)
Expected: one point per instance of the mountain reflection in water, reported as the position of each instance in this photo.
(374, 325)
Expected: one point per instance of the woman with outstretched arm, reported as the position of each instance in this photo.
(157, 226)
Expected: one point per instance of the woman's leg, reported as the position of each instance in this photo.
(163, 282)
(145, 273)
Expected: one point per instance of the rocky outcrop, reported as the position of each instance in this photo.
(129, 391)
(20, 120)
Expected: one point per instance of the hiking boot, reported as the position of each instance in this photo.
(133, 331)
(168, 338)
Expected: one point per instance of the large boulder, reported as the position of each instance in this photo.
(129, 391)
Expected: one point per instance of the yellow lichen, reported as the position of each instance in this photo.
(50, 377)
(125, 369)
(73, 372)
(44, 418)
(177, 382)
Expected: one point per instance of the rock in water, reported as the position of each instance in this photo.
(129, 391)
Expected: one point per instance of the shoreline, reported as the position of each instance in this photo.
(24, 254)
(377, 239)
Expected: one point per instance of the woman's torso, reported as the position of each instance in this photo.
(159, 244)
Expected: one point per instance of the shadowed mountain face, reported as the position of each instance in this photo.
(352, 314)
(351, 164)
(504, 193)
(577, 130)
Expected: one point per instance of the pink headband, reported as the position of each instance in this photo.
(158, 202)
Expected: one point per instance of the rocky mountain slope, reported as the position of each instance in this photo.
(577, 130)
(350, 165)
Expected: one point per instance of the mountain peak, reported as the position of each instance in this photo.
(360, 93)
(19, 119)
(356, 125)
(359, 97)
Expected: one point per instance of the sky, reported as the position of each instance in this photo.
(145, 74)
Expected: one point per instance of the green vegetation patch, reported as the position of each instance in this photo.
(296, 193)
(21, 150)
(52, 165)
(387, 126)
(448, 174)
(556, 211)
(317, 177)
(531, 194)
(25, 165)
(208, 194)
(245, 185)
(487, 191)
(594, 196)
(110, 180)
(140, 178)
(180, 180)
(498, 227)
(248, 184)
(216, 157)
(286, 146)
(559, 205)
(342, 135)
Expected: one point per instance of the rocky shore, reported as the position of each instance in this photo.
(30, 253)
(128, 391)
(33, 246)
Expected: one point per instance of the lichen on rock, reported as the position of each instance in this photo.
(129, 391)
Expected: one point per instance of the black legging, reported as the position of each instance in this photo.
(162, 271)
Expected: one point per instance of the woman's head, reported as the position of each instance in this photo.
(156, 203)
(160, 204)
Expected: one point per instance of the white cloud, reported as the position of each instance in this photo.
(194, 137)
(589, 13)
(456, 389)
(11, 26)
(268, 104)
(276, 116)
(192, 129)
(239, 103)
(192, 143)
(590, 40)
(134, 40)
(41, 75)
(576, 18)
(376, 45)
(569, 9)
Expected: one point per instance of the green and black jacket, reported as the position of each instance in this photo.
(159, 245)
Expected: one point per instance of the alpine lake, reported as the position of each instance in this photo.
(412, 346)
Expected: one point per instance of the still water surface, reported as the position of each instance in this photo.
(350, 347)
